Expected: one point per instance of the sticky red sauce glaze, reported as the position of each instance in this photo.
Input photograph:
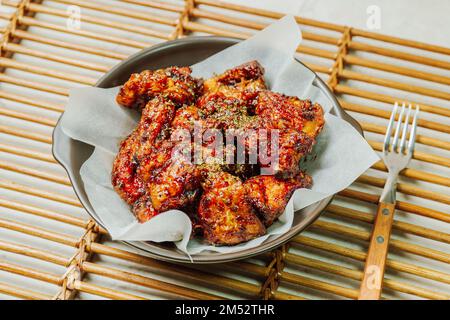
(283, 112)
(227, 203)
(225, 215)
(270, 194)
(174, 83)
(124, 178)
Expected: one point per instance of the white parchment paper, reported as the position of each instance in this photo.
(93, 116)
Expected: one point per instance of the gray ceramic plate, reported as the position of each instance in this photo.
(71, 154)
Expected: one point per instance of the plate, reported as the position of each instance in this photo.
(71, 154)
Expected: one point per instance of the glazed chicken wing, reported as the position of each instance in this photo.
(279, 111)
(124, 178)
(173, 181)
(152, 125)
(269, 195)
(241, 82)
(224, 214)
(146, 173)
(291, 147)
(298, 122)
(173, 83)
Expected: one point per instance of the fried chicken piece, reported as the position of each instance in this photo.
(284, 159)
(174, 83)
(241, 82)
(224, 214)
(298, 122)
(269, 194)
(154, 173)
(223, 112)
(154, 121)
(279, 111)
(172, 180)
(124, 178)
(145, 150)
(143, 209)
(185, 117)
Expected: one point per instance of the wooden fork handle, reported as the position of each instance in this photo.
(376, 257)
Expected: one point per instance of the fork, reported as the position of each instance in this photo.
(396, 156)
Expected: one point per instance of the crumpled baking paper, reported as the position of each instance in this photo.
(93, 116)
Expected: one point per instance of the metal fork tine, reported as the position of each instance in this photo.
(387, 137)
(412, 137)
(405, 130)
(397, 129)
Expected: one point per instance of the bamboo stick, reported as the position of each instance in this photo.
(357, 275)
(55, 57)
(30, 273)
(368, 126)
(9, 63)
(351, 75)
(200, 13)
(27, 117)
(400, 205)
(208, 278)
(45, 213)
(256, 271)
(270, 14)
(34, 85)
(103, 291)
(34, 253)
(100, 21)
(417, 175)
(398, 225)
(399, 55)
(319, 285)
(249, 289)
(116, 274)
(146, 282)
(157, 5)
(318, 68)
(89, 65)
(39, 193)
(26, 134)
(35, 173)
(31, 101)
(389, 99)
(95, 245)
(422, 156)
(386, 114)
(5, 16)
(127, 12)
(22, 293)
(373, 64)
(17, 150)
(400, 41)
(68, 45)
(39, 232)
(406, 189)
(198, 27)
(353, 233)
(279, 295)
(84, 33)
(361, 256)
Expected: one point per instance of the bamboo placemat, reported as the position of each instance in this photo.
(49, 249)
